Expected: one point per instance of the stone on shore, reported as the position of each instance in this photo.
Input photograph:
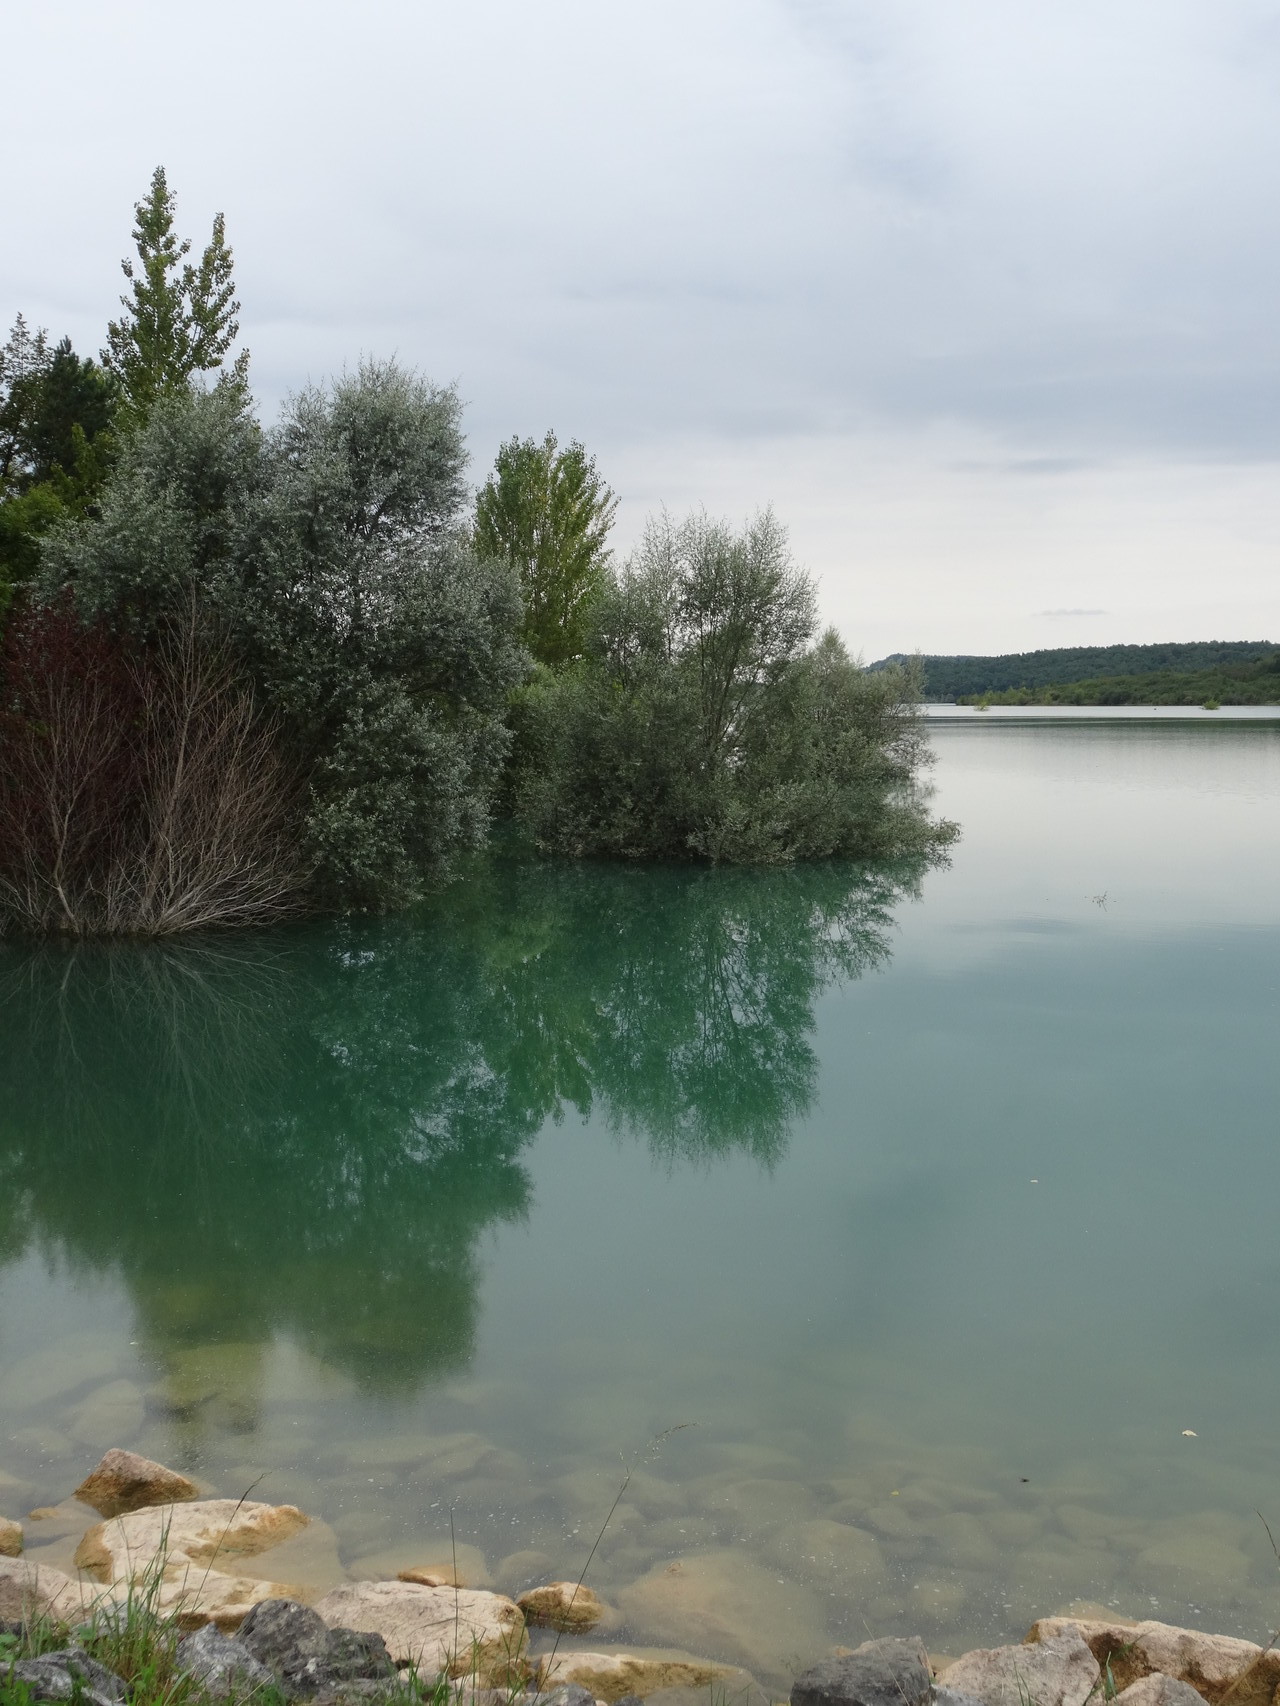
(69, 1674)
(309, 1657)
(1058, 1670)
(221, 1665)
(612, 1676)
(878, 1673)
(453, 1630)
(190, 1550)
(29, 1591)
(125, 1482)
(1158, 1690)
(10, 1538)
(567, 1606)
(1211, 1664)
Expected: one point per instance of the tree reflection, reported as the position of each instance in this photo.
(308, 1130)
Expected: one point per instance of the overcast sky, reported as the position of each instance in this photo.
(982, 295)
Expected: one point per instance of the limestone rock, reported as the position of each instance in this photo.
(567, 1606)
(10, 1538)
(1058, 1670)
(612, 1676)
(69, 1674)
(878, 1673)
(192, 1547)
(29, 1591)
(222, 1666)
(308, 1656)
(1212, 1664)
(725, 1604)
(1158, 1690)
(125, 1482)
(568, 1694)
(437, 1629)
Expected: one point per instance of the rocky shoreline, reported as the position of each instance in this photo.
(363, 1643)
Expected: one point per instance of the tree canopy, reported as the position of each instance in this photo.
(547, 512)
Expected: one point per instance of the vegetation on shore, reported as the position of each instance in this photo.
(1102, 669)
(1252, 683)
(247, 669)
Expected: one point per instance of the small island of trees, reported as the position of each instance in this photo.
(249, 670)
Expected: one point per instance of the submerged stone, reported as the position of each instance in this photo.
(878, 1673)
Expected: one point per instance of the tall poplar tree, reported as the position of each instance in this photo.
(179, 319)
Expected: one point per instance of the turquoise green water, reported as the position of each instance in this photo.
(938, 1205)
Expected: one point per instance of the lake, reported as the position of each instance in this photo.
(910, 1236)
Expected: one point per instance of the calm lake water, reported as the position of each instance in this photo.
(937, 1205)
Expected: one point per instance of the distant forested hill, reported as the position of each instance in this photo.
(957, 677)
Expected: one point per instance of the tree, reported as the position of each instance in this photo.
(705, 723)
(548, 512)
(388, 646)
(56, 413)
(179, 320)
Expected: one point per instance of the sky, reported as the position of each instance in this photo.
(982, 297)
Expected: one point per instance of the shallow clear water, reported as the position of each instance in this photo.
(938, 1206)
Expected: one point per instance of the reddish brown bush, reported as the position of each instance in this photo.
(140, 790)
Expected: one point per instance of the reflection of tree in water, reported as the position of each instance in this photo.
(309, 1130)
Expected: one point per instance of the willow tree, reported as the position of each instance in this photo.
(547, 512)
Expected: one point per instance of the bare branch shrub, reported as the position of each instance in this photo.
(141, 790)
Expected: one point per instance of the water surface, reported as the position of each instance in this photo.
(940, 1205)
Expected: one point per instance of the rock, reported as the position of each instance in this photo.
(125, 1482)
(952, 1697)
(1211, 1664)
(878, 1673)
(567, 1694)
(727, 1605)
(524, 1569)
(1158, 1690)
(221, 1665)
(69, 1674)
(614, 1676)
(10, 1538)
(29, 1591)
(191, 1547)
(457, 1630)
(114, 1411)
(309, 1657)
(567, 1606)
(1059, 1670)
(629, 1700)
(431, 1563)
(831, 1555)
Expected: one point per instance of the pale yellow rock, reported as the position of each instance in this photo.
(125, 1482)
(611, 1675)
(1158, 1690)
(726, 1605)
(193, 1550)
(436, 1629)
(10, 1538)
(1213, 1664)
(449, 1563)
(1058, 1670)
(29, 1591)
(570, 1607)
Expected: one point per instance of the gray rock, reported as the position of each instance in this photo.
(1058, 1670)
(568, 1694)
(943, 1696)
(220, 1664)
(308, 1658)
(878, 1673)
(70, 1674)
(629, 1700)
(1159, 1690)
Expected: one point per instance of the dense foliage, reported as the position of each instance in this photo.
(548, 512)
(312, 626)
(1252, 683)
(706, 723)
(947, 678)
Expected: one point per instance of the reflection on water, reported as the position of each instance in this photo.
(447, 1214)
(307, 1132)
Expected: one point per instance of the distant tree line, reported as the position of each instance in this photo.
(956, 678)
(248, 669)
